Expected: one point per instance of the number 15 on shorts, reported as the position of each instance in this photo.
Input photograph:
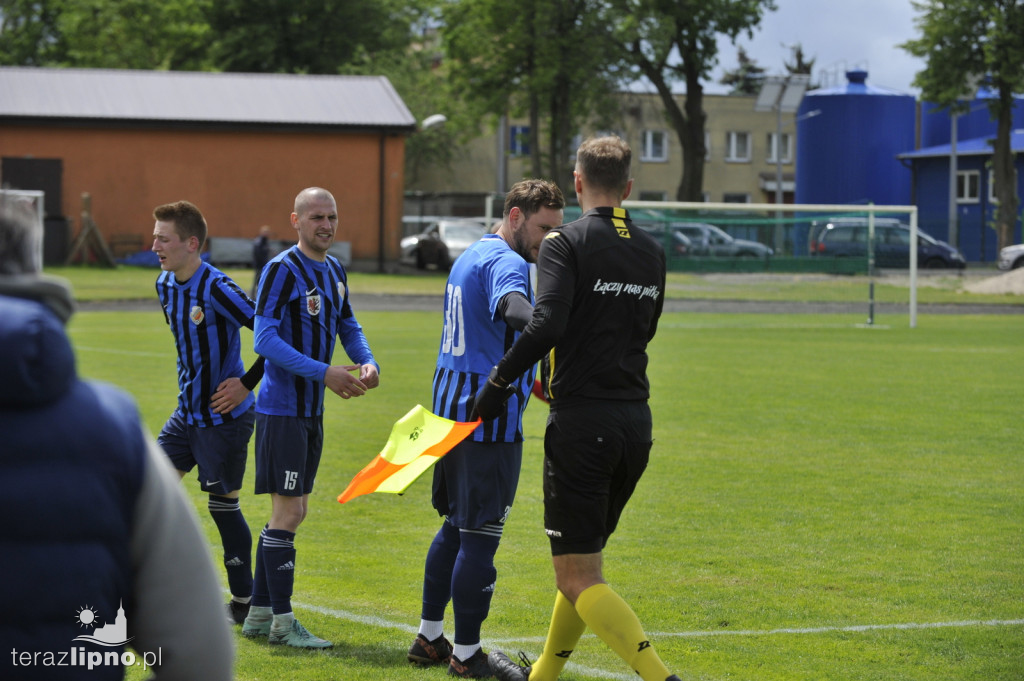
(290, 479)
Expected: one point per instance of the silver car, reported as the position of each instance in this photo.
(710, 240)
(441, 242)
(1011, 257)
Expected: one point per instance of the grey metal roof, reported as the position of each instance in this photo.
(191, 97)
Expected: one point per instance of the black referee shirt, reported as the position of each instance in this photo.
(611, 274)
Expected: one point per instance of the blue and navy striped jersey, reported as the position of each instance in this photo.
(205, 314)
(302, 308)
(475, 337)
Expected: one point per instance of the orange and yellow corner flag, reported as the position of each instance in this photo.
(417, 441)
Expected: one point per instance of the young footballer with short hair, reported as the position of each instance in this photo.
(213, 422)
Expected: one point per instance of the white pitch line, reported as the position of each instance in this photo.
(371, 620)
(411, 630)
(603, 674)
(809, 630)
(851, 628)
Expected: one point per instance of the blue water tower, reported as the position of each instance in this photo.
(848, 137)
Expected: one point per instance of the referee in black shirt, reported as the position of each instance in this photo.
(600, 291)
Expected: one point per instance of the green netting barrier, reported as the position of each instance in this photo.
(778, 264)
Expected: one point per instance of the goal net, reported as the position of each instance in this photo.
(756, 237)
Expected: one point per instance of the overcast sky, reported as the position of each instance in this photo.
(839, 35)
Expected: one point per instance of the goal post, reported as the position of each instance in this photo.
(782, 217)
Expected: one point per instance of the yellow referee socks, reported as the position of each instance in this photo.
(563, 635)
(616, 624)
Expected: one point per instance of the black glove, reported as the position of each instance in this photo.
(489, 402)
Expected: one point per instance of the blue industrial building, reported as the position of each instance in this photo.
(860, 144)
(975, 204)
(846, 151)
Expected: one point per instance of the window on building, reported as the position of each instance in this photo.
(967, 186)
(775, 149)
(655, 146)
(519, 140)
(737, 146)
(735, 197)
(707, 145)
(653, 196)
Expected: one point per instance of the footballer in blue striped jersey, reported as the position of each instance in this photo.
(211, 427)
(488, 302)
(302, 308)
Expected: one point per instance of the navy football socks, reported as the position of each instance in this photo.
(279, 564)
(473, 584)
(237, 542)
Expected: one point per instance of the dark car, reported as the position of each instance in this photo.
(848, 237)
(708, 239)
(441, 242)
(675, 242)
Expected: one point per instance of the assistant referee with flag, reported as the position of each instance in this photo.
(600, 291)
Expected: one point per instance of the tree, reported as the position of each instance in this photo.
(746, 78)
(392, 38)
(962, 40)
(29, 35)
(306, 36)
(418, 76)
(536, 58)
(140, 34)
(670, 41)
(799, 65)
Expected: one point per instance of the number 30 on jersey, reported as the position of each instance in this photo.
(454, 340)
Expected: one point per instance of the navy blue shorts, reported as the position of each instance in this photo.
(594, 455)
(288, 452)
(220, 452)
(475, 483)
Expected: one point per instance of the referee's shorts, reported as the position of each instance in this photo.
(594, 455)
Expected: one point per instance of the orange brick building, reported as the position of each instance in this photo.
(239, 146)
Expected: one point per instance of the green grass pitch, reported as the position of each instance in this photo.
(823, 502)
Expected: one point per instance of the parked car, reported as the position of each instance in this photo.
(675, 242)
(1011, 257)
(414, 224)
(441, 242)
(848, 237)
(708, 239)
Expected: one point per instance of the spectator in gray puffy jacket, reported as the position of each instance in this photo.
(105, 564)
